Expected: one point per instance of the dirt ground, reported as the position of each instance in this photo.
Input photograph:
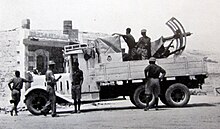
(202, 112)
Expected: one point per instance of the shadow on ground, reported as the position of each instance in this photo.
(104, 109)
(193, 105)
(161, 107)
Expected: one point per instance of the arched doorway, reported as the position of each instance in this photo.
(41, 64)
(41, 57)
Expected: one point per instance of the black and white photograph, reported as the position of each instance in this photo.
(109, 64)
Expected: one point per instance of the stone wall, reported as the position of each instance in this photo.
(9, 42)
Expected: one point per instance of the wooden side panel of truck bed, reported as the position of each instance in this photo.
(134, 70)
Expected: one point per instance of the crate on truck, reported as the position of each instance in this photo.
(107, 76)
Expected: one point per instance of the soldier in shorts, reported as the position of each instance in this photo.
(152, 87)
(17, 82)
(77, 81)
(51, 83)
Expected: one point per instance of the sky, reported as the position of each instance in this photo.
(201, 17)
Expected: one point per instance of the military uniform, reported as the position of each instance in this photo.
(76, 86)
(77, 77)
(153, 85)
(152, 73)
(51, 103)
(144, 44)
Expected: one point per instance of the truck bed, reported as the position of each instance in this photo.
(134, 70)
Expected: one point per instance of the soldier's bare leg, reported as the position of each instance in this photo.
(75, 105)
(15, 108)
(46, 108)
(53, 106)
(79, 104)
(147, 103)
(11, 111)
(156, 103)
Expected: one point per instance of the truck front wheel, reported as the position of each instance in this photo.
(139, 97)
(177, 95)
(35, 101)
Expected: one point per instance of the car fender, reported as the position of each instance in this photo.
(35, 88)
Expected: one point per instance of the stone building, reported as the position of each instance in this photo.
(24, 49)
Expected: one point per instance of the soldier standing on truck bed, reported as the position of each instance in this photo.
(129, 39)
(16, 90)
(152, 74)
(77, 80)
(144, 45)
(51, 82)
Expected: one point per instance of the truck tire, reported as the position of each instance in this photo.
(139, 98)
(35, 101)
(177, 95)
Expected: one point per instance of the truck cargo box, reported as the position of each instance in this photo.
(134, 70)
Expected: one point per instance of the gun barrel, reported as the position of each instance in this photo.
(187, 34)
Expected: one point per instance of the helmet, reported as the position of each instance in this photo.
(143, 30)
(152, 59)
(51, 62)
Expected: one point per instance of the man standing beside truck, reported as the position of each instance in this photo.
(51, 82)
(152, 87)
(77, 80)
(17, 82)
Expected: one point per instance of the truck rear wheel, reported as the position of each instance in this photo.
(177, 95)
(35, 101)
(139, 97)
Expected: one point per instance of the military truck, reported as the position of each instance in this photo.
(107, 76)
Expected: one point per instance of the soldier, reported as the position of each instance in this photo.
(129, 39)
(144, 43)
(152, 74)
(16, 90)
(51, 82)
(77, 80)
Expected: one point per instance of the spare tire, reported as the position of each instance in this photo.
(177, 95)
(139, 98)
(36, 100)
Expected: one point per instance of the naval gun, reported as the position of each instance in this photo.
(158, 48)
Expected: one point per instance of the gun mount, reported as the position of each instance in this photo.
(179, 35)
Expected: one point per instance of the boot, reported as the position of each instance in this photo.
(55, 115)
(11, 112)
(43, 112)
(16, 113)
